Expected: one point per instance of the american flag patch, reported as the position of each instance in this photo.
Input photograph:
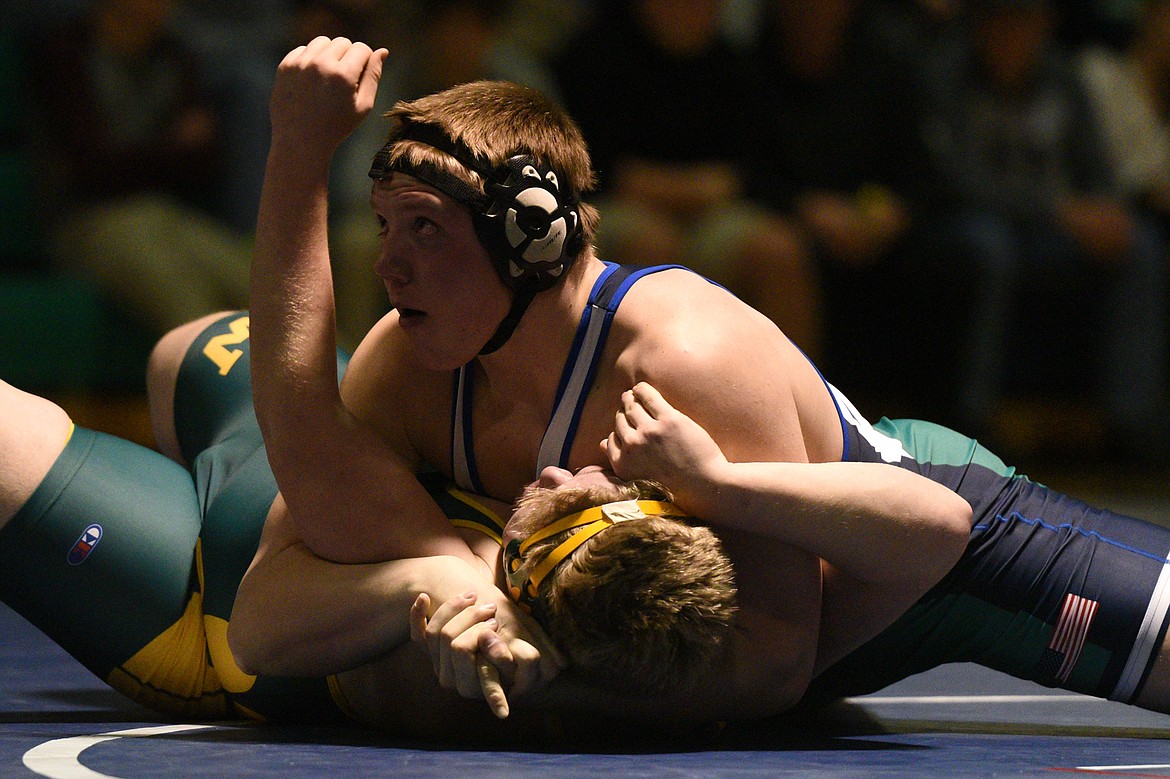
(1076, 614)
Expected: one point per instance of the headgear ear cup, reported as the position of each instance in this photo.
(527, 222)
(530, 226)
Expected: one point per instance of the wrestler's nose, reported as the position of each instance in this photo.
(552, 476)
(391, 265)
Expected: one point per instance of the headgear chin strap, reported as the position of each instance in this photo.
(529, 225)
(520, 300)
(525, 590)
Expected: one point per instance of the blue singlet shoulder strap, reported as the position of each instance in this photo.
(584, 356)
(580, 367)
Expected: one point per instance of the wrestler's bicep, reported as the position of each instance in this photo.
(260, 585)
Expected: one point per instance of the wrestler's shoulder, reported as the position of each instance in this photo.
(384, 367)
(682, 311)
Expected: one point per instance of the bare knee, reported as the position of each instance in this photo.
(162, 372)
(33, 432)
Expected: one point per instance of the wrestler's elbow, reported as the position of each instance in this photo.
(954, 527)
(252, 646)
(944, 534)
(256, 642)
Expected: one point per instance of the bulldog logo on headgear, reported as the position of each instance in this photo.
(537, 225)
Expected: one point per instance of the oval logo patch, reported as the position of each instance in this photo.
(85, 544)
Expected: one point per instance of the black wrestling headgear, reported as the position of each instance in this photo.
(527, 220)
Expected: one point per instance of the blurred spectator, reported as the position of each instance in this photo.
(906, 29)
(1130, 89)
(1093, 22)
(1039, 219)
(379, 24)
(666, 106)
(19, 235)
(838, 148)
(433, 45)
(237, 46)
(133, 149)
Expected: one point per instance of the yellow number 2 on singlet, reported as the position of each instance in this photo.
(217, 348)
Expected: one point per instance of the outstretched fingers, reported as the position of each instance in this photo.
(493, 655)
(443, 634)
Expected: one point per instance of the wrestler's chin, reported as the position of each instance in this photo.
(435, 348)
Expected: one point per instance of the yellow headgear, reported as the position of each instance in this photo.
(525, 589)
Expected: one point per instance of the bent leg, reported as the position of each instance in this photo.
(33, 431)
(162, 374)
(203, 394)
(1050, 589)
(101, 557)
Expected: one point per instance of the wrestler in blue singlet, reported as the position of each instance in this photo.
(1049, 589)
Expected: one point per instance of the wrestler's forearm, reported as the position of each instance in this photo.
(877, 522)
(341, 617)
(313, 107)
(353, 499)
(294, 363)
(292, 310)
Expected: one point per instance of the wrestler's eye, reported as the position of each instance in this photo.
(382, 226)
(424, 226)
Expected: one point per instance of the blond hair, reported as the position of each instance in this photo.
(644, 606)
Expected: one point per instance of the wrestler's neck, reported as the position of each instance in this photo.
(540, 345)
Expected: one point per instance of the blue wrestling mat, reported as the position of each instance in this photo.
(56, 720)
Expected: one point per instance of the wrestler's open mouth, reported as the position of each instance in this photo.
(410, 313)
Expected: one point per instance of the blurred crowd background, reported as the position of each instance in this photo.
(959, 209)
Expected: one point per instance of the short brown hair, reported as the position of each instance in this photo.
(644, 606)
(497, 119)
